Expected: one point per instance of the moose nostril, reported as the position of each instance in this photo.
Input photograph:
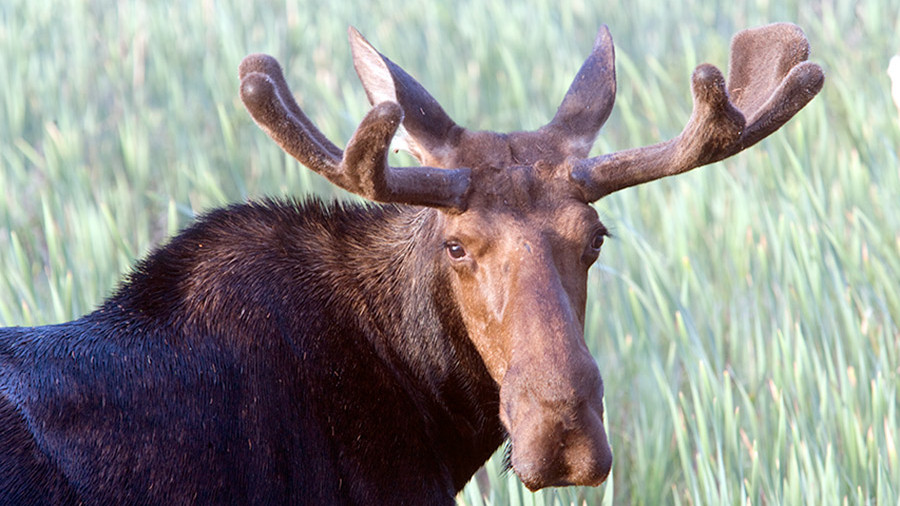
(565, 471)
(558, 446)
(602, 466)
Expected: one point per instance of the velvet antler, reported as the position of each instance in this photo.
(362, 168)
(770, 80)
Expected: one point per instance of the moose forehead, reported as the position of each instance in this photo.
(519, 171)
(521, 189)
(523, 201)
(482, 148)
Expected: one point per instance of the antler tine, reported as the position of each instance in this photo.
(363, 167)
(770, 82)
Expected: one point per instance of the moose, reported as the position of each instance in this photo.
(300, 352)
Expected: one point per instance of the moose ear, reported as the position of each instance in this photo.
(588, 102)
(430, 133)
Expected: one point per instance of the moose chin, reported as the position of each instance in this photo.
(288, 352)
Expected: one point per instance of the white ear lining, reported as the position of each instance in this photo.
(372, 70)
(380, 85)
(402, 141)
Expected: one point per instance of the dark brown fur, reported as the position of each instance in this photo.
(265, 348)
(281, 353)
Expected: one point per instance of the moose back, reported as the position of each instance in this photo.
(300, 352)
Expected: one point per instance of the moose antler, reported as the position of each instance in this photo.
(362, 168)
(770, 80)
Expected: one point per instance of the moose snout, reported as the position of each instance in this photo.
(564, 457)
(556, 432)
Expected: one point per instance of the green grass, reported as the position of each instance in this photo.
(746, 317)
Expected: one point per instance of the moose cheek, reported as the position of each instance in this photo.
(483, 308)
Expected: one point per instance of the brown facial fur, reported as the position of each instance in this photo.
(517, 227)
(303, 353)
(521, 286)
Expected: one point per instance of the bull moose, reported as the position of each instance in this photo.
(299, 352)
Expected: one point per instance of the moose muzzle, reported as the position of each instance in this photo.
(555, 422)
(551, 395)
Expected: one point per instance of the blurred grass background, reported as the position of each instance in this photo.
(746, 317)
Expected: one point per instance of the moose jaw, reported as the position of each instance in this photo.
(279, 352)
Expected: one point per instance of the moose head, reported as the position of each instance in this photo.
(516, 233)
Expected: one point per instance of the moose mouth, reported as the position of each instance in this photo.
(556, 440)
(564, 458)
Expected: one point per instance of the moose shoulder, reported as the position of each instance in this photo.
(285, 352)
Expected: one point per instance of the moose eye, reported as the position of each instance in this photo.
(455, 250)
(597, 240)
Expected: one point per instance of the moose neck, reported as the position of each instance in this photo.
(361, 290)
(403, 305)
